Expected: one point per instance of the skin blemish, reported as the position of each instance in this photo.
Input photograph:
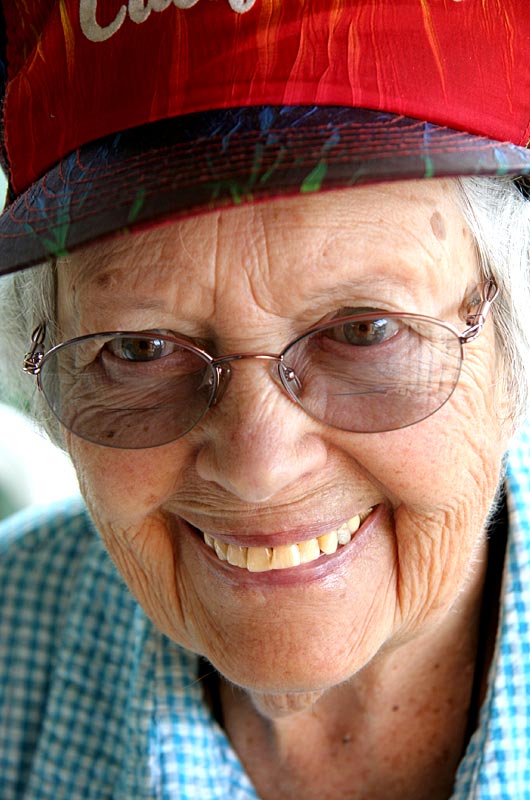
(106, 280)
(438, 226)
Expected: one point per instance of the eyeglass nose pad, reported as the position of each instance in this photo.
(222, 375)
(289, 380)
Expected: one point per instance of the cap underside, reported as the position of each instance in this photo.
(215, 159)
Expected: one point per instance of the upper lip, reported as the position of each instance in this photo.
(250, 535)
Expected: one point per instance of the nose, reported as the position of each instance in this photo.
(257, 442)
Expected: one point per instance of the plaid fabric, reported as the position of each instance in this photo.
(95, 703)
(497, 762)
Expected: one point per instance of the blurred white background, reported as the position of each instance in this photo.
(32, 470)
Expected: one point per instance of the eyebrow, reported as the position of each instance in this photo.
(91, 266)
(372, 284)
(138, 303)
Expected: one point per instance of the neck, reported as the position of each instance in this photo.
(396, 729)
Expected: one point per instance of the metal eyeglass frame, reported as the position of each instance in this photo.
(36, 357)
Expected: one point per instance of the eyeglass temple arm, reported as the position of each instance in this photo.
(489, 292)
(33, 359)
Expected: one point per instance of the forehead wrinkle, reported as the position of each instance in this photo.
(329, 243)
(409, 259)
(124, 260)
(120, 276)
(258, 242)
(241, 275)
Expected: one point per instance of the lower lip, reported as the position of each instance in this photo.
(325, 566)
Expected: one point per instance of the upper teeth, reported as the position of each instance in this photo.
(262, 559)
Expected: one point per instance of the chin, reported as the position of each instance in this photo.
(295, 669)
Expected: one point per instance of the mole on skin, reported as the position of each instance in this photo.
(438, 226)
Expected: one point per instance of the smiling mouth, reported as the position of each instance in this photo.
(264, 559)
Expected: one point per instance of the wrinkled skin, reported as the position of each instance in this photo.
(378, 623)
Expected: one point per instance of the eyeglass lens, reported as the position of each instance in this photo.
(132, 391)
(365, 375)
(374, 375)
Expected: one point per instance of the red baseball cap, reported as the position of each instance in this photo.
(120, 114)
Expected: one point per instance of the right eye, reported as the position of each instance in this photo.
(139, 348)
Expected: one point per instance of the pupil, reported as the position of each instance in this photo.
(142, 349)
(365, 333)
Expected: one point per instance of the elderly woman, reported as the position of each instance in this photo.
(292, 420)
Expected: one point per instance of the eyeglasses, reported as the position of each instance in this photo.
(365, 373)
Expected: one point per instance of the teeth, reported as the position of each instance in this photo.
(354, 523)
(259, 559)
(344, 534)
(221, 549)
(309, 550)
(285, 556)
(210, 541)
(237, 556)
(329, 542)
(263, 559)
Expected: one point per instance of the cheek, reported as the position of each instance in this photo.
(125, 486)
(440, 477)
(447, 479)
(454, 456)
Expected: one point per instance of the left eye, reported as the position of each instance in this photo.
(139, 348)
(363, 333)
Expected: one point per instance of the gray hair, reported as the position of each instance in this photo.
(498, 216)
(27, 299)
(496, 212)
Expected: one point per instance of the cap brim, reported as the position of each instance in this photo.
(225, 158)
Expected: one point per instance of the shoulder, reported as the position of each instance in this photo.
(49, 557)
(42, 527)
(43, 546)
(61, 606)
(43, 553)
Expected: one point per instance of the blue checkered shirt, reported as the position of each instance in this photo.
(95, 703)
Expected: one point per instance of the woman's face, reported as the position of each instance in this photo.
(258, 472)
